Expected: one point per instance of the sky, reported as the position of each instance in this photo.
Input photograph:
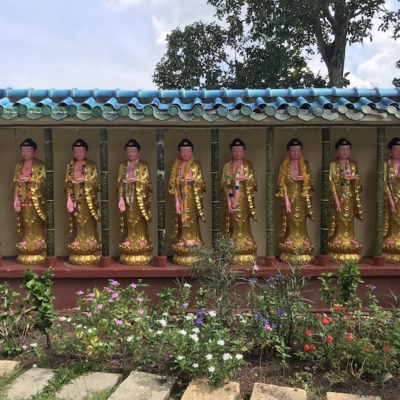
(108, 44)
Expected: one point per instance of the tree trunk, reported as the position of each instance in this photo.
(335, 64)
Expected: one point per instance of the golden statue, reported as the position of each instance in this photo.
(391, 231)
(295, 189)
(187, 186)
(344, 205)
(239, 185)
(134, 187)
(81, 187)
(29, 203)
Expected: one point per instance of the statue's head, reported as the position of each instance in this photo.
(294, 148)
(237, 148)
(343, 149)
(185, 148)
(28, 149)
(132, 150)
(394, 148)
(80, 148)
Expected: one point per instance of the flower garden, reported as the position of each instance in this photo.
(213, 332)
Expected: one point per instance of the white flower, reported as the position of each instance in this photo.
(90, 330)
(212, 314)
(183, 332)
(33, 344)
(187, 285)
(34, 365)
(163, 322)
(195, 365)
(24, 347)
(238, 356)
(165, 314)
(195, 337)
(69, 319)
(209, 357)
(190, 316)
(129, 338)
(79, 326)
(196, 330)
(62, 319)
(227, 357)
(159, 333)
(180, 358)
(220, 342)
(211, 369)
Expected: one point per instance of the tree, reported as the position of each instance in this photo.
(207, 55)
(269, 36)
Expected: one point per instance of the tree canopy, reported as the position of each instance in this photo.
(266, 43)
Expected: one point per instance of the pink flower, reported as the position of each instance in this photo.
(89, 314)
(108, 290)
(114, 282)
(99, 306)
(329, 339)
(132, 285)
(80, 293)
(268, 327)
(91, 294)
(114, 295)
(110, 300)
(118, 322)
(139, 299)
(140, 312)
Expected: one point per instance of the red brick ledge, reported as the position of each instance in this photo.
(113, 269)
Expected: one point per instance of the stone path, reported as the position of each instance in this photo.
(142, 386)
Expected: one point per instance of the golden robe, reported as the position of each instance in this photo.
(237, 223)
(341, 224)
(391, 229)
(135, 218)
(186, 225)
(83, 220)
(294, 224)
(31, 220)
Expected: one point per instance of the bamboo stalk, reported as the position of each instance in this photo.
(380, 141)
(48, 156)
(215, 183)
(326, 141)
(105, 229)
(270, 191)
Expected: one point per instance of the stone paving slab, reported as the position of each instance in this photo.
(200, 390)
(8, 367)
(347, 396)
(29, 383)
(142, 386)
(262, 391)
(85, 385)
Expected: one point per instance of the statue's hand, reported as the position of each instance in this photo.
(130, 180)
(392, 205)
(121, 204)
(298, 178)
(70, 205)
(17, 204)
(23, 178)
(287, 204)
(177, 205)
(79, 180)
(337, 204)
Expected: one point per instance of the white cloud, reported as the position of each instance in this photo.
(121, 5)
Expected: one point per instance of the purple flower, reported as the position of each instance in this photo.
(114, 282)
(132, 285)
(91, 294)
(99, 306)
(118, 322)
(252, 281)
(108, 290)
(185, 305)
(80, 293)
(140, 312)
(110, 300)
(89, 314)
(114, 295)
(268, 326)
(139, 299)
(197, 321)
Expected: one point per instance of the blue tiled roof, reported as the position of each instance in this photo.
(209, 105)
